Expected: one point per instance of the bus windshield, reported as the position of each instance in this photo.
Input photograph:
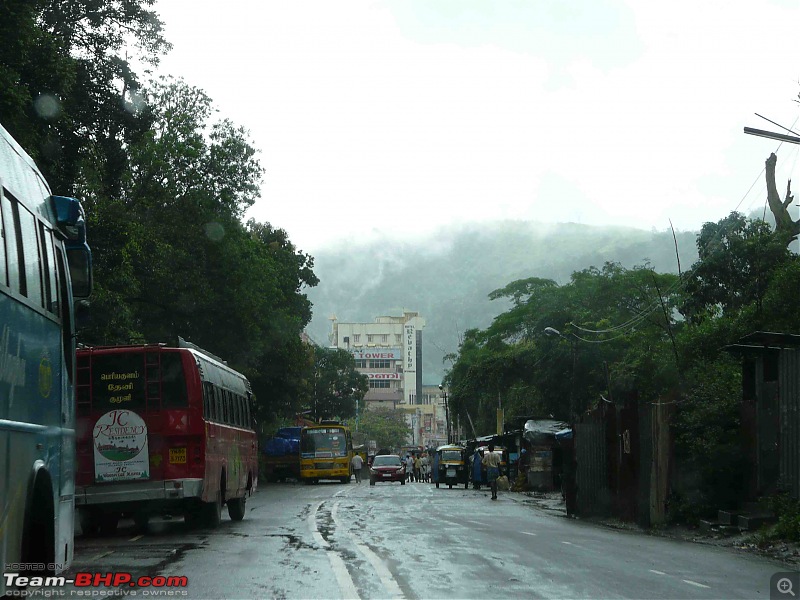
(323, 442)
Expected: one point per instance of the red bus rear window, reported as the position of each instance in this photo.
(138, 381)
(118, 382)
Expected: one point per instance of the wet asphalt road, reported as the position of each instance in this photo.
(415, 541)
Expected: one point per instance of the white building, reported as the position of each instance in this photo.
(389, 352)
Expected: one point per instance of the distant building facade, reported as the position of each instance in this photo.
(389, 352)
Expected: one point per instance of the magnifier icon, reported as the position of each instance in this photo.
(784, 586)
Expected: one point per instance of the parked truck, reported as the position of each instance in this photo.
(281, 455)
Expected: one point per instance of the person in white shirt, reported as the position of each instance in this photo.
(492, 463)
(357, 463)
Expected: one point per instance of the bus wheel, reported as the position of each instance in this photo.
(236, 508)
(437, 485)
(345, 480)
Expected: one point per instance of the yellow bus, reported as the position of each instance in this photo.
(326, 452)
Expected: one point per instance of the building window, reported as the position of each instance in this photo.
(398, 339)
(378, 383)
(380, 364)
(370, 339)
(384, 338)
(361, 363)
(356, 338)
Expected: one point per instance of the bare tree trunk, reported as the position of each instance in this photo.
(784, 225)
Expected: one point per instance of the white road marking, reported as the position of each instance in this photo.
(568, 543)
(101, 555)
(346, 585)
(690, 582)
(474, 522)
(527, 533)
(384, 574)
(138, 537)
(657, 572)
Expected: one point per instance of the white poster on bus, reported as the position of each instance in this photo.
(120, 447)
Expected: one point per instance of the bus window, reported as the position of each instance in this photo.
(173, 381)
(13, 243)
(49, 263)
(117, 382)
(206, 400)
(30, 250)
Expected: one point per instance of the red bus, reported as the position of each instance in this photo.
(161, 430)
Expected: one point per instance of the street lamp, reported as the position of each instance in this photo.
(446, 411)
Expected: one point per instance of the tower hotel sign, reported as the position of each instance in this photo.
(377, 354)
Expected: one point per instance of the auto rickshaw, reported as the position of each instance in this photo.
(452, 468)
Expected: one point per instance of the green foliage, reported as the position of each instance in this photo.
(386, 426)
(337, 385)
(707, 438)
(737, 260)
(514, 363)
(787, 510)
(165, 188)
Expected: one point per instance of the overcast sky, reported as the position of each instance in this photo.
(379, 119)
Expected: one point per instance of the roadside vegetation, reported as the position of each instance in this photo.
(636, 335)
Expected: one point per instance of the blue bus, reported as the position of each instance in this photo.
(45, 263)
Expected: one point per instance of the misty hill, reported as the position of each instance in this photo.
(448, 275)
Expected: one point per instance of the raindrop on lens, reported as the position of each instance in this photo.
(215, 231)
(47, 106)
(135, 102)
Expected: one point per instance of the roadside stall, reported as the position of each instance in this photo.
(545, 460)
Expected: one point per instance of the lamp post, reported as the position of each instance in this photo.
(446, 411)
(571, 339)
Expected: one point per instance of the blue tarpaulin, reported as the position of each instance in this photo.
(564, 434)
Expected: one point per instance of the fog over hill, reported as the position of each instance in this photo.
(448, 276)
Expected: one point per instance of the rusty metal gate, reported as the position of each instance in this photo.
(790, 422)
(592, 476)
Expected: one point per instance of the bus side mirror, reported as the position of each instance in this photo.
(79, 259)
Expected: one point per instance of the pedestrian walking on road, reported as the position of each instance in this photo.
(357, 463)
(477, 470)
(409, 467)
(417, 468)
(521, 482)
(492, 463)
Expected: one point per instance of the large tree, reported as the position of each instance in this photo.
(386, 426)
(336, 385)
